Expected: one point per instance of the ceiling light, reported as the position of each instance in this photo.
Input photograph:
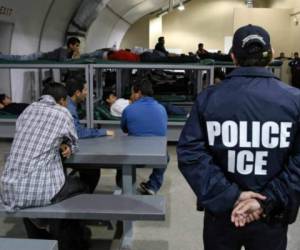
(181, 6)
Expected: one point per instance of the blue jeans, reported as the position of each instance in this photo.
(156, 178)
(173, 109)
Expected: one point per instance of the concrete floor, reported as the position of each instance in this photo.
(182, 229)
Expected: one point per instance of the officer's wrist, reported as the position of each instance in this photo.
(267, 206)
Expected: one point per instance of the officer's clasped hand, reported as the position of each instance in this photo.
(247, 209)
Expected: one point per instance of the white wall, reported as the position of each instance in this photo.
(57, 23)
(275, 21)
(28, 17)
(6, 31)
(155, 30)
(98, 35)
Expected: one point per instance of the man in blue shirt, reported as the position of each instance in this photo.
(77, 92)
(145, 117)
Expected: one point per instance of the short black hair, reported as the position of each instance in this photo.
(107, 94)
(73, 84)
(218, 73)
(72, 40)
(161, 38)
(200, 44)
(56, 90)
(2, 97)
(255, 57)
(144, 85)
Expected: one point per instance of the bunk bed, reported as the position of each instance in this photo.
(92, 67)
(7, 121)
(275, 67)
(101, 114)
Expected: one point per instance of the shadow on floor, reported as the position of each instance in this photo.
(150, 245)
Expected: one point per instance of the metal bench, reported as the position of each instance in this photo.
(27, 244)
(98, 206)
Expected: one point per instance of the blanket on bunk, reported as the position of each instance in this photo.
(4, 115)
(14, 108)
(102, 112)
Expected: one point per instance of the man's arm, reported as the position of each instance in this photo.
(207, 180)
(69, 134)
(124, 122)
(84, 132)
(283, 192)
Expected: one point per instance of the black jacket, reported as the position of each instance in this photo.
(243, 134)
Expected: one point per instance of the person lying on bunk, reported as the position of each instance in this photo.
(117, 105)
(7, 106)
(123, 55)
(145, 117)
(77, 92)
(33, 175)
(72, 51)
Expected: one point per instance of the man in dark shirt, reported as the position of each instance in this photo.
(72, 51)
(295, 69)
(201, 51)
(240, 152)
(160, 46)
(7, 106)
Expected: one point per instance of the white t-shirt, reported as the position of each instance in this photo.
(119, 105)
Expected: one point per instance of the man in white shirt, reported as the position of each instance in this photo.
(117, 105)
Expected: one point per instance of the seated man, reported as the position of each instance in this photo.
(201, 51)
(160, 46)
(33, 175)
(10, 107)
(117, 105)
(77, 92)
(146, 117)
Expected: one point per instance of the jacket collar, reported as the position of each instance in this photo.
(47, 99)
(146, 99)
(251, 72)
(71, 102)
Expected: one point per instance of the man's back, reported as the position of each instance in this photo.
(33, 171)
(145, 117)
(251, 120)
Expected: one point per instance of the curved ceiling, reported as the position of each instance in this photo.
(129, 11)
(105, 22)
(114, 19)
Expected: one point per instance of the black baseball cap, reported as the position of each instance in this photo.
(251, 40)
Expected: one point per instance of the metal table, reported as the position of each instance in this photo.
(125, 152)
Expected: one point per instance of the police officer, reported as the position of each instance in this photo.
(240, 151)
(295, 70)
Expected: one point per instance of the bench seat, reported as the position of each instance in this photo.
(98, 207)
(27, 244)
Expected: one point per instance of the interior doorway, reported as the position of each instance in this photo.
(6, 31)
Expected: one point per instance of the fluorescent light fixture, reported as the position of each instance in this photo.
(181, 6)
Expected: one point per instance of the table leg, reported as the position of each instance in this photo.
(127, 173)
